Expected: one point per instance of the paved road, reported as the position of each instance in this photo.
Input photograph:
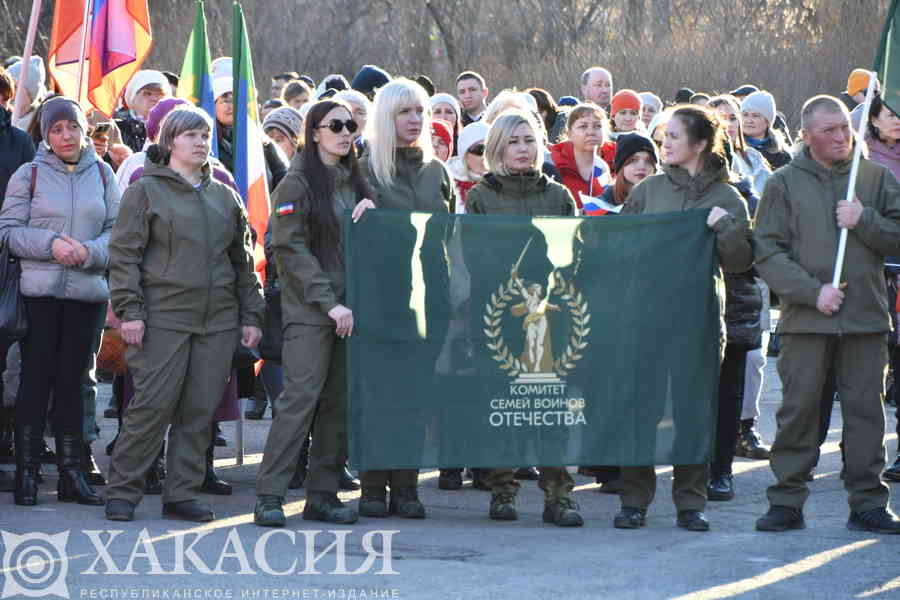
(457, 552)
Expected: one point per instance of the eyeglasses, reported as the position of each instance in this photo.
(477, 150)
(337, 126)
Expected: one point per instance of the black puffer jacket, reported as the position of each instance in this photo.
(16, 149)
(743, 302)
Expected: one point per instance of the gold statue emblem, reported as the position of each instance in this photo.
(536, 363)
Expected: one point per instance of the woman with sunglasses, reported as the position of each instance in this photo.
(402, 169)
(324, 180)
(468, 166)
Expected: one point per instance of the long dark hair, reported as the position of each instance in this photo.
(324, 229)
(874, 112)
(702, 124)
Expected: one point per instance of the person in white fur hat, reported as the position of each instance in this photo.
(35, 88)
(143, 92)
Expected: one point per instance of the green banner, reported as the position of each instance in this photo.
(887, 62)
(488, 341)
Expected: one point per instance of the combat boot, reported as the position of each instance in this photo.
(405, 503)
(326, 506)
(268, 511)
(561, 510)
(450, 479)
(503, 507)
(373, 502)
(748, 442)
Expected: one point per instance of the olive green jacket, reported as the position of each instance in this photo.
(180, 257)
(796, 242)
(675, 190)
(310, 287)
(416, 185)
(532, 194)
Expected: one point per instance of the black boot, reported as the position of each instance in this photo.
(347, 481)
(7, 435)
(300, 470)
(157, 472)
(92, 472)
(478, 479)
(72, 486)
(28, 446)
(211, 482)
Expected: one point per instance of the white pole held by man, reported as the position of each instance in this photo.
(854, 170)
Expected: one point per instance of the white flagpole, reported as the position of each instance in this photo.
(26, 58)
(85, 29)
(854, 171)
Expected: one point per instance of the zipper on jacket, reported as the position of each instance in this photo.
(208, 271)
(65, 269)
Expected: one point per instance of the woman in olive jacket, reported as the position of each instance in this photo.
(405, 175)
(516, 186)
(695, 176)
(323, 181)
(183, 284)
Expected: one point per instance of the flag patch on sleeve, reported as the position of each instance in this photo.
(286, 208)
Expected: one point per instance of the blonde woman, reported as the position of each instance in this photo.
(515, 185)
(404, 175)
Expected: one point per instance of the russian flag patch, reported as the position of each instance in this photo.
(284, 209)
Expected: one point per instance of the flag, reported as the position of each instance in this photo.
(887, 64)
(117, 41)
(120, 40)
(195, 83)
(249, 161)
(550, 341)
(600, 176)
(595, 207)
(65, 46)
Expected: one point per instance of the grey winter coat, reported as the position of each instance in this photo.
(69, 203)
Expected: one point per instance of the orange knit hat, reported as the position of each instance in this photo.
(858, 81)
(626, 99)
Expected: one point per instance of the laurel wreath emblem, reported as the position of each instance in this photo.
(578, 309)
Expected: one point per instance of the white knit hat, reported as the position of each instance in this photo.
(222, 85)
(142, 79)
(761, 102)
(222, 67)
(37, 76)
(649, 98)
(446, 99)
(471, 135)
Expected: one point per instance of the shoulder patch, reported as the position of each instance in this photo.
(285, 208)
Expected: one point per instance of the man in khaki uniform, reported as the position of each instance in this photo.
(823, 327)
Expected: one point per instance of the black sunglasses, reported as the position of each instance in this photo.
(477, 150)
(336, 126)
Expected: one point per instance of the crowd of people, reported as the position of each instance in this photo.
(128, 228)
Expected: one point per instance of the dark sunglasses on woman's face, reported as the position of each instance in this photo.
(336, 125)
(477, 150)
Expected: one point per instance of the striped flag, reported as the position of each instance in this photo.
(63, 56)
(600, 178)
(195, 83)
(117, 41)
(249, 161)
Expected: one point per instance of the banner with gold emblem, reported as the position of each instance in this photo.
(489, 341)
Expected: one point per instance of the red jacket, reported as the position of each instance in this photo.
(563, 155)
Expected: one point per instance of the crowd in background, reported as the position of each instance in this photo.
(128, 225)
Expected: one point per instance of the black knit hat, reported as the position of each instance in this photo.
(629, 144)
(683, 96)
